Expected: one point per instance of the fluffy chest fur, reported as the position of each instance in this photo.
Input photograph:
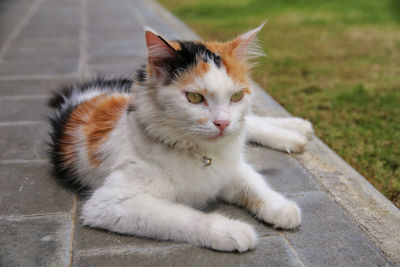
(171, 173)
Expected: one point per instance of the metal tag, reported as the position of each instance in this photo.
(206, 161)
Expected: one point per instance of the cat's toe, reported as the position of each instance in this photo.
(290, 216)
(294, 143)
(302, 126)
(285, 216)
(232, 235)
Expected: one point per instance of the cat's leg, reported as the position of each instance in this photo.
(248, 189)
(118, 209)
(299, 125)
(259, 130)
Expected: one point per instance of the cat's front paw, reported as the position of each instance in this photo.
(231, 235)
(293, 142)
(301, 126)
(286, 215)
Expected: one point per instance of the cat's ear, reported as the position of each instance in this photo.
(245, 45)
(159, 51)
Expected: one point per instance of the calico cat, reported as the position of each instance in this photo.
(153, 149)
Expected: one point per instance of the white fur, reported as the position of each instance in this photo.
(285, 134)
(152, 178)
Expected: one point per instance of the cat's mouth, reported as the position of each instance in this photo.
(218, 136)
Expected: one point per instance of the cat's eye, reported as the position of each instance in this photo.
(194, 98)
(237, 96)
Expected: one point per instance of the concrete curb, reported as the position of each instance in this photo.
(374, 213)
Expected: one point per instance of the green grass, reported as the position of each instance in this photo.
(336, 63)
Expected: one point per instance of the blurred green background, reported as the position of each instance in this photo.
(336, 63)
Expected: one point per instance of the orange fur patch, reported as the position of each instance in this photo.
(202, 120)
(247, 90)
(237, 68)
(197, 71)
(175, 45)
(96, 117)
(203, 91)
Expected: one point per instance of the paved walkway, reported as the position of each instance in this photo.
(45, 43)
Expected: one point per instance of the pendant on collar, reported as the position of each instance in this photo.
(206, 161)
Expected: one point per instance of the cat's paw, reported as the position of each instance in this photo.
(300, 126)
(286, 215)
(231, 235)
(293, 142)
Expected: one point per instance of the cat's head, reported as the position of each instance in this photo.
(196, 92)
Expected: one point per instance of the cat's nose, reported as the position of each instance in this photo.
(221, 124)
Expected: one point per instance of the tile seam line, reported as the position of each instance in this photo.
(24, 96)
(34, 216)
(23, 161)
(72, 236)
(81, 73)
(20, 123)
(19, 27)
(38, 77)
(136, 14)
(132, 248)
(83, 55)
(291, 247)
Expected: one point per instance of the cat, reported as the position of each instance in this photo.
(155, 148)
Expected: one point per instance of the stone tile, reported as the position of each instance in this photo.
(115, 9)
(115, 51)
(281, 171)
(44, 50)
(49, 25)
(271, 251)
(105, 29)
(48, 44)
(25, 109)
(41, 241)
(122, 57)
(30, 87)
(327, 236)
(114, 48)
(11, 13)
(44, 66)
(30, 188)
(53, 15)
(23, 142)
(115, 70)
(54, 30)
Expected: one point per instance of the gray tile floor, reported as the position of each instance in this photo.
(46, 43)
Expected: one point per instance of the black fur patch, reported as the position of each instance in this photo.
(190, 52)
(187, 57)
(66, 173)
(121, 85)
(141, 74)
